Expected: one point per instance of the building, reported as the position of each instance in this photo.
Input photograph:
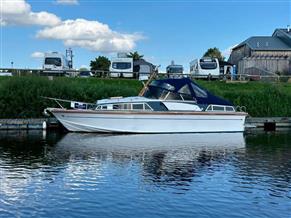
(264, 55)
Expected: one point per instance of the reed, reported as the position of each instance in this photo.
(20, 97)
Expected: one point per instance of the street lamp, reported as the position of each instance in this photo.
(12, 64)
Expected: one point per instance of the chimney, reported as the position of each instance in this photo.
(288, 28)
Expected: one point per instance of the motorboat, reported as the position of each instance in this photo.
(163, 106)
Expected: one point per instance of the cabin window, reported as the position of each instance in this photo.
(229, 108)
(217, 108)
(99, 107)
(147, 107)
(126, 106)
(200, 93)
(185, 93)
(116, 107)
(173, 96)
(187, 97)
(155, 92)
(137, 106)
(104, 107)
(185, 90)
(157, 106)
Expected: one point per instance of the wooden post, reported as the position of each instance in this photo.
(141, 93)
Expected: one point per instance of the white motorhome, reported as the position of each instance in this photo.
(174, 70)
(122, 66)
(55, 62)
(205, 68)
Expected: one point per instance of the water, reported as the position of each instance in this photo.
(185, 175)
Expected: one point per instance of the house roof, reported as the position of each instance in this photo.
(265, 43)
(284, 31)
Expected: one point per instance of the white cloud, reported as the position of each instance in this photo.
(67, 2)
(91, 35)
(37, 54)
(226, 52)
(18, 12)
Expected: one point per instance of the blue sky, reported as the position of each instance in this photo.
(161, 30)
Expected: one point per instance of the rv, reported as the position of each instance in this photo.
(205, 68)
(55, 63)
(174, 70)
(122, 66)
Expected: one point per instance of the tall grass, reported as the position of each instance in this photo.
(20, 97)
(261, 99)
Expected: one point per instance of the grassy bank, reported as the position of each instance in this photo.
(20, 96)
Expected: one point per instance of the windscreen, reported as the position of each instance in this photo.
(208, 64)
(175, 69)
(121, 65)
(53, 61)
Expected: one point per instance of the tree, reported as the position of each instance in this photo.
(214, 53)
(101, 63)
(135, 56)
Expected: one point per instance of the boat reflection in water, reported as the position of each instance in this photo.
(166, 159)
(150, 142)
(177, 175)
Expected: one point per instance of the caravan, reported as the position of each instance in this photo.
(55, 62)
(205, 68)
(174, 70)
(122, 66)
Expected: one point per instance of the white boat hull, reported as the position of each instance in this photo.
(160, 122)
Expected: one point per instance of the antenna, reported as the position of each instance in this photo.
(69, 56)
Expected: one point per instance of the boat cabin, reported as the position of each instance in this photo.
(169, 95)
(182, 90)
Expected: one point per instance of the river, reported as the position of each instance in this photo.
(53, 174)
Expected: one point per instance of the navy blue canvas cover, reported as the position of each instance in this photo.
(177, 84)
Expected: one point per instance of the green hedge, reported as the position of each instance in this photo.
(20, 97)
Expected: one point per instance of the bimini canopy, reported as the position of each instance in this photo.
(182, 89)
